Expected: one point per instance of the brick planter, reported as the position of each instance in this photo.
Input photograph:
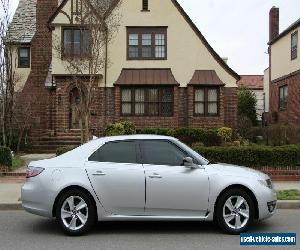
(282, 174)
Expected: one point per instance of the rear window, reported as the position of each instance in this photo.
(118, 152)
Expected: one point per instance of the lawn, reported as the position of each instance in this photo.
(288, 195)
(17, 162)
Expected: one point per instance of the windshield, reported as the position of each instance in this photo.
(201, 160)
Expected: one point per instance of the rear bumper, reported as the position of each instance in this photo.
(35, 199)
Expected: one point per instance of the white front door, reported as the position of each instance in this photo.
(117, 178)
(171, 188)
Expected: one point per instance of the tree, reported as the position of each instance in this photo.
(247, 105)
(8, 76)
(97, 24)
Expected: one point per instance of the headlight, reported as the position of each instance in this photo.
(267, 183)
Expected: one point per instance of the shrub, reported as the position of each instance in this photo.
(5, 157)
(253, 156)
(247, 105)
(225, 134)
(63, 150)
(120, 128)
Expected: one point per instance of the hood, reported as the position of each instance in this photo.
(238, 171)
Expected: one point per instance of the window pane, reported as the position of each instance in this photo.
(160, 39)
(126, 109)
(126, 95)
(120, 152)
(24, 52)
(146, 39)
(199, 95)
(159, 51)
(134, 39)
(166, 109)
(153, 95)
(294, 40)
(212, 95)
(212, 108)
(139, 95)
(146, 51)
(86, 43)
(67, 42)
(133, 52)
(162, 153)
(167, 95)
(153, 108)
(199, 108)
(140, 108)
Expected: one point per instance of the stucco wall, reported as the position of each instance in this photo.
(186, 52)
(281, 62)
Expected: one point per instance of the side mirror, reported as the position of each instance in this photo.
(189, 163)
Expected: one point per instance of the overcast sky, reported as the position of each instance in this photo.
(238, 29)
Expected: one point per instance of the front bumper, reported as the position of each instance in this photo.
(267, 203)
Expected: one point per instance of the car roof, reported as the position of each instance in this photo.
(135, 137)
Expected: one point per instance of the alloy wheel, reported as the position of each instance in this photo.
(236, 212)
(74, 213)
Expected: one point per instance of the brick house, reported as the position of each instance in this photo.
(163, 72)
(284, 71)
(256, 84)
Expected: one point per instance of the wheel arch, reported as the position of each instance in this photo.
(244, 188)
(66, 189)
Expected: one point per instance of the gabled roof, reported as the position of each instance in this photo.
(293, 26)
(251, 82)
(23, 26)
(189, 21)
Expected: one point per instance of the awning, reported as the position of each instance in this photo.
(206, 77)
(146, 77)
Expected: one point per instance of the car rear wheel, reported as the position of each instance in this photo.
(76, 212)
(235, 211)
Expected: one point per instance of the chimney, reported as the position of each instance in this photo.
(274, 23)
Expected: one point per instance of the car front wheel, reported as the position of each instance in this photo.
(235, 211)
(75, 212)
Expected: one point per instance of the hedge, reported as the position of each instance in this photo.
(253, 156)
(5, 157)
(63, 150)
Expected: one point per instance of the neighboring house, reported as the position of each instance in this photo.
(256, 84)
(284, 71)
(267, 89)
(178, 80)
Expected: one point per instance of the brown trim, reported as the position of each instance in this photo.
(285, 32)
(29, 56)
(153, 30)
(206, 114)
(294, 56)
(146, 101)
(285, 76)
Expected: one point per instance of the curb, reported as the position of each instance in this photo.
(288, 205)
(11, 206)
(280, 205)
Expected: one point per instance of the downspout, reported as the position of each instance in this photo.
(105, 77)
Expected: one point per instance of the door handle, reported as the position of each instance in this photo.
(99, 173)
(155, 176)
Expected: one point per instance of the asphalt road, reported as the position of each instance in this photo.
(19, 230)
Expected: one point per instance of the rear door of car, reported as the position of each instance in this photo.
(118, 177)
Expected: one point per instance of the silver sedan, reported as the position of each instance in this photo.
(141, 178)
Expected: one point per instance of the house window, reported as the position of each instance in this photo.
(294, 45)
(145, 5)
(24, 57)
(147, 43)
(76, 42)
(206, 101)
(283, 97)
(150, 101)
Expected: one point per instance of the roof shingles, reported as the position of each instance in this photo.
(23, 26)
(251, 82)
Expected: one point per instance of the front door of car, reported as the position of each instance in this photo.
(117, 178)
(171, 188)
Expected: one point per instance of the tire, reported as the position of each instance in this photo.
(76, 212)
(232, 218)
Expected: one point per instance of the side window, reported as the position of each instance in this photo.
(162, 153)
(118, 152)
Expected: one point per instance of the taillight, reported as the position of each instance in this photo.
(33, 171)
